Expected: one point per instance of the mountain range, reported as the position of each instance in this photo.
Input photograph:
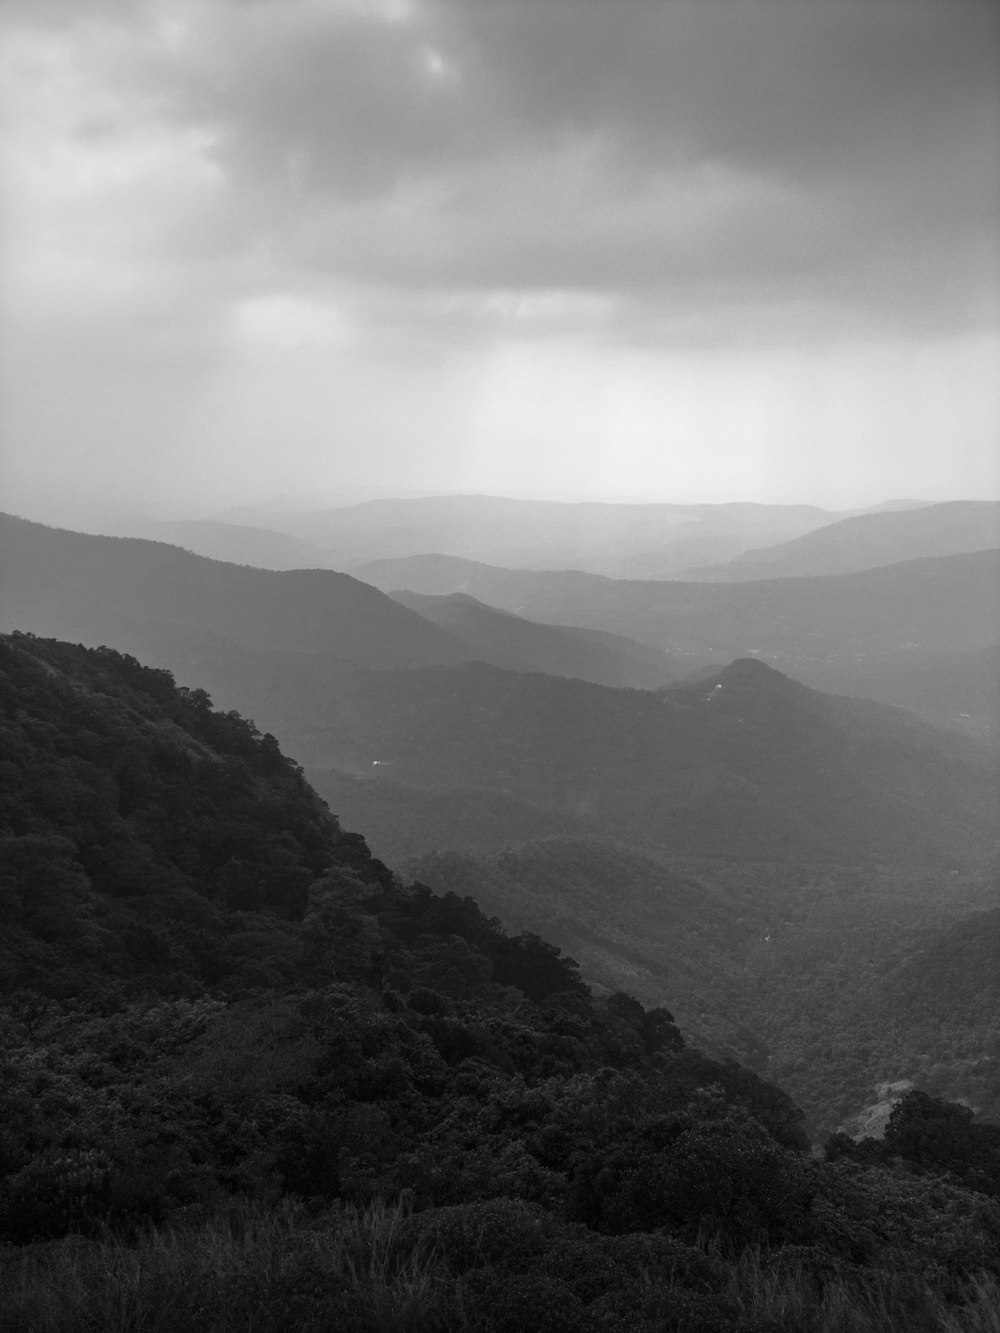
(924, 632)
(627, 540)
(157, 600)
(745, 763)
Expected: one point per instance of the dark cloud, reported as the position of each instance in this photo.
(847, 150)
(773, 151)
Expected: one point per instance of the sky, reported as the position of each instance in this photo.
(648, 250)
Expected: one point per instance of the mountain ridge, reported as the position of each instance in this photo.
(867, 541)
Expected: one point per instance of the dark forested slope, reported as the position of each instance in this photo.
(251, 1080)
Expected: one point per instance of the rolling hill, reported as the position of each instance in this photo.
(159, 601)
(140, 596)
(235, 543)
(746, 764)
(759, 768)
(923, 633)
(866, 541)
(517, 644)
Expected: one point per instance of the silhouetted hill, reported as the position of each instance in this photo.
(517, 644)
(867, 540)
(851, 633)
(137, 595)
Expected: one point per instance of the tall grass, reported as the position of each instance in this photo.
(252, 1269)
(255, 1269)
(794, 1298)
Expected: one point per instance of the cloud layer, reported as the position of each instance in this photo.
(202, 191)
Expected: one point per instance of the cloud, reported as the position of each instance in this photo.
(326, 198)
(843, 153)
(509, 145)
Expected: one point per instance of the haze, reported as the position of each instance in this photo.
(343, 248)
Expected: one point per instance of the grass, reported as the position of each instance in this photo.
(251, 1269)
(791, 1297)
(359, 1270)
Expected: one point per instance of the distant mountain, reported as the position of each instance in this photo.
(868, 540)
(746, 764)
(235, 543)
(517, 644)
(144, 596)
(633, 540)
(863, 633)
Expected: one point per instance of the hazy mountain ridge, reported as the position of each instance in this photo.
(161, 601)
(868, 540)
(795, 772)
(516, 644)
(234, 543)
(645, 540)
(749, 764)
(851, 633)
(91, 587)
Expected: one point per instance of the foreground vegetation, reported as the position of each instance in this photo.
(251, 1081)
(502, 1266)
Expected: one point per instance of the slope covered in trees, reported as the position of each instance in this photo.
(745, 764)
(251, 1079)
(830, 980)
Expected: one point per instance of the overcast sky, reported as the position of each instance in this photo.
(642, 249)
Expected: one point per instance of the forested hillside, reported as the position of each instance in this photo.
(830, 980)
(746, 763)
(251, 1079)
